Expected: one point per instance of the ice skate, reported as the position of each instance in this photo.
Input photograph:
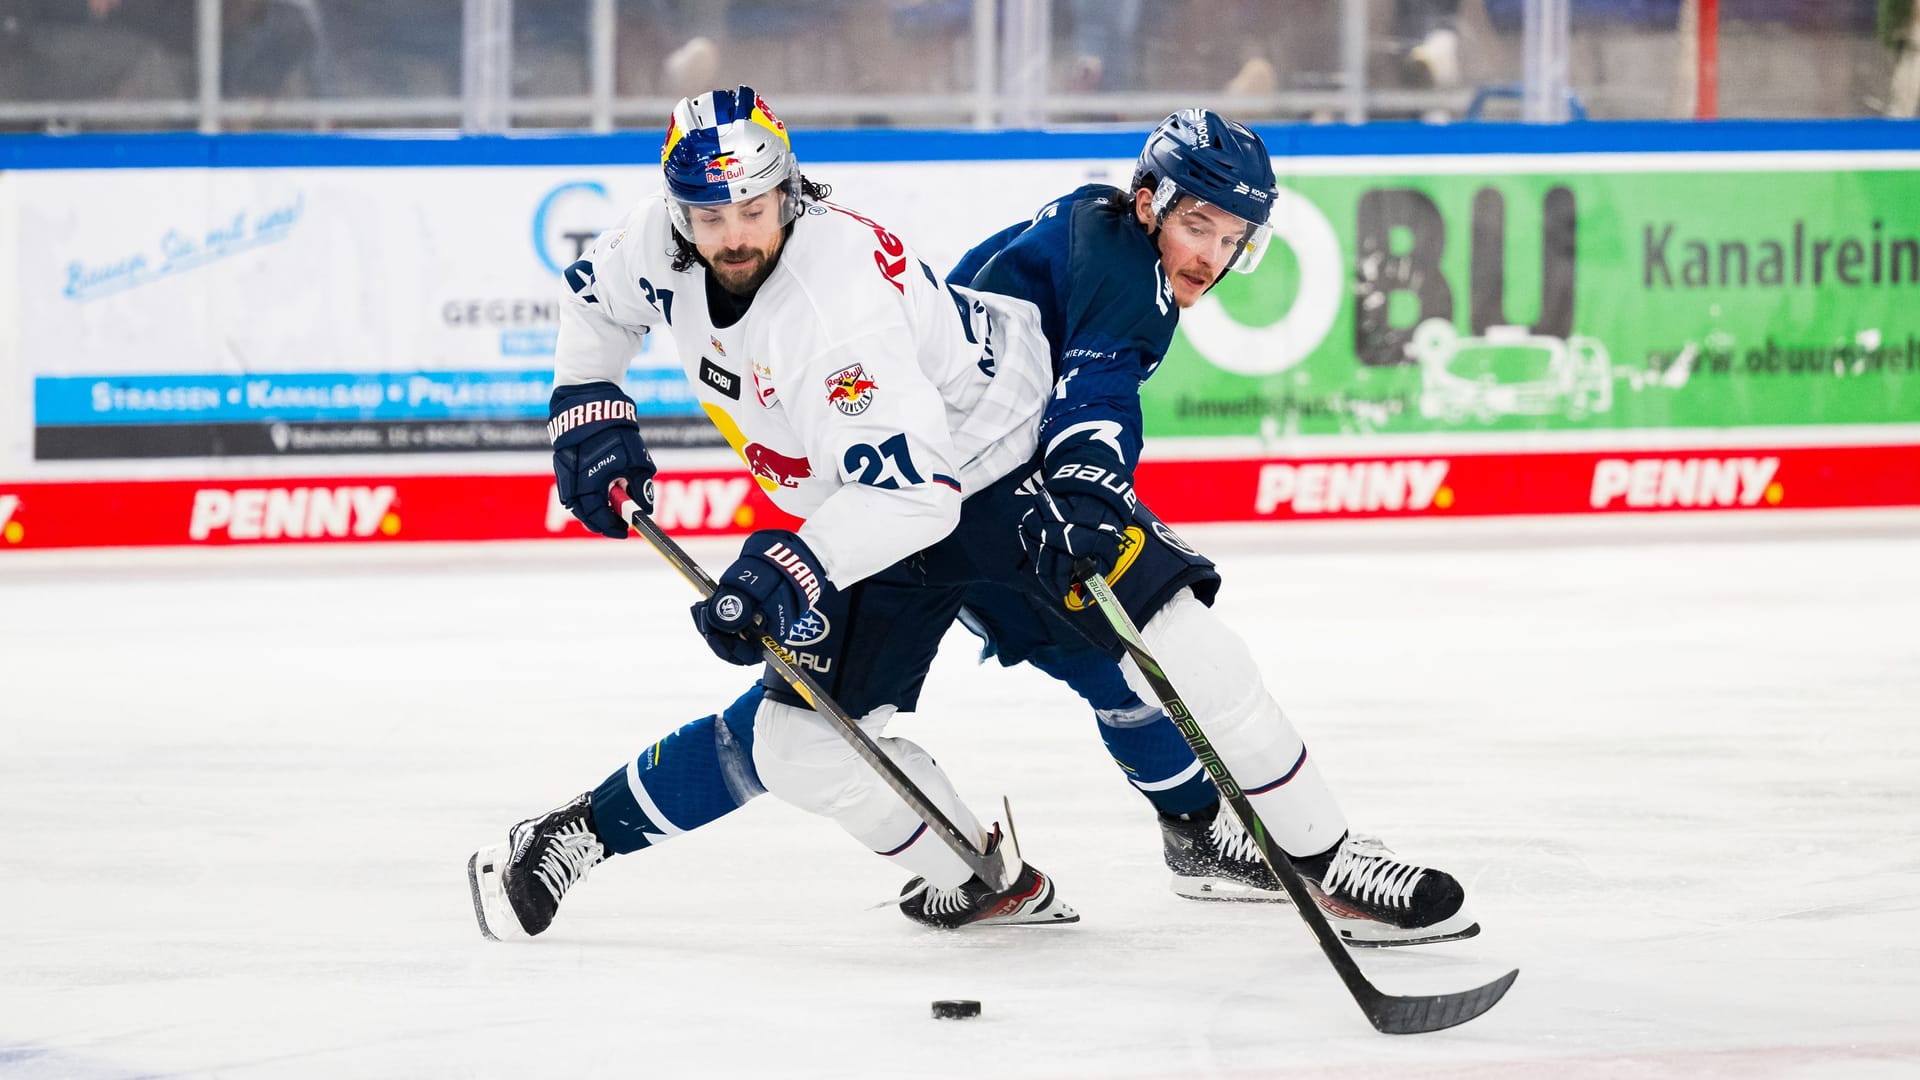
(1213, 858)
(517, 886)
(1030, 899)
(1375, 900)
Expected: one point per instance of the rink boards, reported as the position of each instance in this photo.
(386, 509)
(243, 339)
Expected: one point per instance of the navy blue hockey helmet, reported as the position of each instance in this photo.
(1200, 153)
(726, 146)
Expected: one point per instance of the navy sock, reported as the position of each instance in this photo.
(698, 774)
(1141, 737)
(1158, 761)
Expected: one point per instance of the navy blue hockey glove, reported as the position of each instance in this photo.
(1077, 524)
(768, 588)
(596, 440)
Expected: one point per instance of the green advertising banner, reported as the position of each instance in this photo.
(1603, 301)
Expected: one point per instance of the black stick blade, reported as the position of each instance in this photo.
(1412, 1015)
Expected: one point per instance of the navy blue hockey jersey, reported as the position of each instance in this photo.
(1105, 305)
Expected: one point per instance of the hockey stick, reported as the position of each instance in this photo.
(991, 868)
(1389, 1013)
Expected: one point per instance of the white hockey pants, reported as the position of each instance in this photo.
(803, 760)
(1214, 673)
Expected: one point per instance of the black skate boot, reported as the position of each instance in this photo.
(517, 886)
(1213, 858)
(1375, 900)
(1030, 899)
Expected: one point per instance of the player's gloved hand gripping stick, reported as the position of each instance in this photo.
(1389, 1013)
(992, 869)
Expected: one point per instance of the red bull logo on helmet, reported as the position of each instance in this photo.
(725, 169)
(850, 391)
(771, 465)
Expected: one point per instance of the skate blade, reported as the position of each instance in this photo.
(490, 907)
(1422, 937)
(1210, 888)
(1369, 934)
(1361, 932)
(1044, 909)
(1051, 915)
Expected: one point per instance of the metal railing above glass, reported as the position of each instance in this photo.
(602, 65)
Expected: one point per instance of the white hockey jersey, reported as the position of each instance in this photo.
(865, 395)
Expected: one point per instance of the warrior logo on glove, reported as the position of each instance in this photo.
(796, 567)
(596, 443)
(592, 412)
(768, 590)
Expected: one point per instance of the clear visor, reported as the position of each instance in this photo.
(735, 224)
(1203, 227)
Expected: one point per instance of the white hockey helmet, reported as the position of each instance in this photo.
(726, 146)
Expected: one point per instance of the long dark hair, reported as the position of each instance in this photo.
(685, 254)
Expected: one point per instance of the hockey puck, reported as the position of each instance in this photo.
(955, 1010)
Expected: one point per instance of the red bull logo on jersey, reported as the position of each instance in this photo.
(850, 391)
(769, 464)
(725, 169)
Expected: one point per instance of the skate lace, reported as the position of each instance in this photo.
(1363, 868)
(1230, 838)
(573, 851)
(945, 901)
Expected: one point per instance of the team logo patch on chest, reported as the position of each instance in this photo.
(850, 391)
(720, 378)
(763, 387)
(719, 349)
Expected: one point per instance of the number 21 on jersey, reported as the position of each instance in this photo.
(885, 466)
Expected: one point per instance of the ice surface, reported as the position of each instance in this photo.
(1676, 764)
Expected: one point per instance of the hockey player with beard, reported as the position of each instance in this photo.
(1108, 271)
(877, 404)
